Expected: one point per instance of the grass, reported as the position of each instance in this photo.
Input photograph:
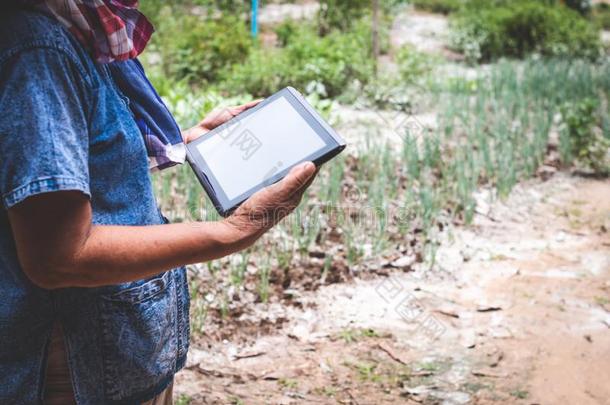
(433, 366)
(328, 391)
(354, 335)
(264, 270)
(520, 394)
(474, 387)
(601, 300)
(183, 399)
(236, 401)
(385, 375)
(367, 372)
(199, 307)
(438, 6)
(288, 383)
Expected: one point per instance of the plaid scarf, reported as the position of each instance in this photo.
(111, 29)
(115, 33)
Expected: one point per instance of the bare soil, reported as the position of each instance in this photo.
(516, 309)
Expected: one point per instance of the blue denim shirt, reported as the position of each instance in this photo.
(65, 126)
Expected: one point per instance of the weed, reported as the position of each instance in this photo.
(264, 270)
(353, 335)
(474, 387)
(326, 268)
(366, 372)
(438, 6)
(348, 335)
(238, 269)
(236, 401)
(520, 394)
(288, 383)
(430, 366)
(328, 391)
(183, 399)
(580, 140)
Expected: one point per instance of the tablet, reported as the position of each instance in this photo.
(259, 147)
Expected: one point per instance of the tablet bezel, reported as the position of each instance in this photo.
(334, 144)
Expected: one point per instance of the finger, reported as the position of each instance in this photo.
(252, 103)
(217, 117)
(311, 179)
(241, 108)
(294, 181)
(297, 196)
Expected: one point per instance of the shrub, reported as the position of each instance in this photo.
(333, 61)
(582, 6)
(438, 6)
(285, 32)
(517, 28)
(585, 140)
(601, 15)
(412, 64)
(198, 49)
(340, 14)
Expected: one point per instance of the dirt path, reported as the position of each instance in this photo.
(425, 32)
(275, 13)
(516, 310)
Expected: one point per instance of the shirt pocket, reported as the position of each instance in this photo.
(139, 336)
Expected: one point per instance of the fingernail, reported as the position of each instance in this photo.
(307, 166)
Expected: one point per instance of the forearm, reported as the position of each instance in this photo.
(116, 254)
(58, 246)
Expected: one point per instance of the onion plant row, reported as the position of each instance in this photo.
(492, 131)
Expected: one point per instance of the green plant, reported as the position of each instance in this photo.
(585, 141)
(353, 335)
(183, 399)
(340, 14)
(234, 400)
(582, 6)
(263, 285)
(285, 32)
(288, 383)
(520, 394)
(494, 130)
(483, 31)
(367, 372)
(601, 15)
(412, 64)
(431, 366)
(438, 6)
(199, 308)
(332, 62)
(198, 49)
(238, 270)
(154, 9)
(328, 391)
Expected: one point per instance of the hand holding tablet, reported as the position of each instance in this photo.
(268, 206)
(259, 147)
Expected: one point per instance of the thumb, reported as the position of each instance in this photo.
(294, 180)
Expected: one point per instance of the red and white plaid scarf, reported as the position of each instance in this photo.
(113, 30)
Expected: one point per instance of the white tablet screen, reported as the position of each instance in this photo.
(258, 146)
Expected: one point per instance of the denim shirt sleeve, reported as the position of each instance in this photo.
(44, 141)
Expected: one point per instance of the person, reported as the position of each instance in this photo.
(94, 298)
